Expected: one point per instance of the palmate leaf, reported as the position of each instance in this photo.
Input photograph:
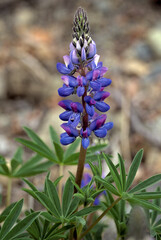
(17, 159)
(67, 196)
(35, 228)
(114, 173)
(4, 170)
(158, 203)
(108, 186)
(11, 219)
(53, 135)
(72, 148)
(47, 203)
(133, 168)
(38, 149)
(148, 195)
(21, 226)
(5, 213)
(147, 183)
(56, 142)
(86, 211)
(37, 139)
(122, 172)
(53, 196)
(143, 203)
(31, 171)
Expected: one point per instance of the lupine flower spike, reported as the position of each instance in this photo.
(83, 74)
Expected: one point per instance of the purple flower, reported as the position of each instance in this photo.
(83, 75)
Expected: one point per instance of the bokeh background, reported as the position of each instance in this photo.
(34, 36)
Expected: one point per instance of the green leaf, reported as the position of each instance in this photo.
(50, 218)
(53, 196)
(122, 172)
(21, 226)
(17, 159)
(97, 147)
(148, 182)
(6, 211)
(2, 160)
(72, 159)
(37, 139)
(3, 165)
(30, 192)
(86, 211)
(40, 150)
(47, 203)
(108, 186)
(54, 135)
(114, 173)
(11, 219)
(30, 185)
(73, 206)
(67, 196)
(72, 148)
(144, 203)
(148, 195)
(133, 168)
(35, 228)
(59, 152)
(31, 171)
(156, 202)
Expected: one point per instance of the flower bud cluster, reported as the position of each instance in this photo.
(83, 74)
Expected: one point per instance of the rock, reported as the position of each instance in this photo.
(3, 86)
(153, 38)
(24, 16)
(135, 68)
(140, 50)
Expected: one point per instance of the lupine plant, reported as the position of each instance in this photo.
(79, 208)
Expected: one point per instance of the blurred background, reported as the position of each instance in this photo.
(34, 36)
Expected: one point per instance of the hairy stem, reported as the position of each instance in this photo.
(9, 188)
(100, 217)
(80, 168)
(82, 155)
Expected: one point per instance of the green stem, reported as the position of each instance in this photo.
(60, 182)
(9, 188)
(100, 217)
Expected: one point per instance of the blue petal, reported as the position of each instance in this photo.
(73, 56)
(101, 132)
(104, 82)
(74, 119)
(89, 75)
(92, 50)
(102, 106)
(96, 201)
(90, 110)
(95, 85)
(66, 104)
(67, 140)
(80, 91)
(62, 68)
(65, 115)
(65, 91)
(72, 81)
(108, 125)
(85, 142)
(83, 54)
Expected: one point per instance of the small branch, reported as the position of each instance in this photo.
(100, 217)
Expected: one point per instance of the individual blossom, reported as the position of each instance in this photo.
(83, 75)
